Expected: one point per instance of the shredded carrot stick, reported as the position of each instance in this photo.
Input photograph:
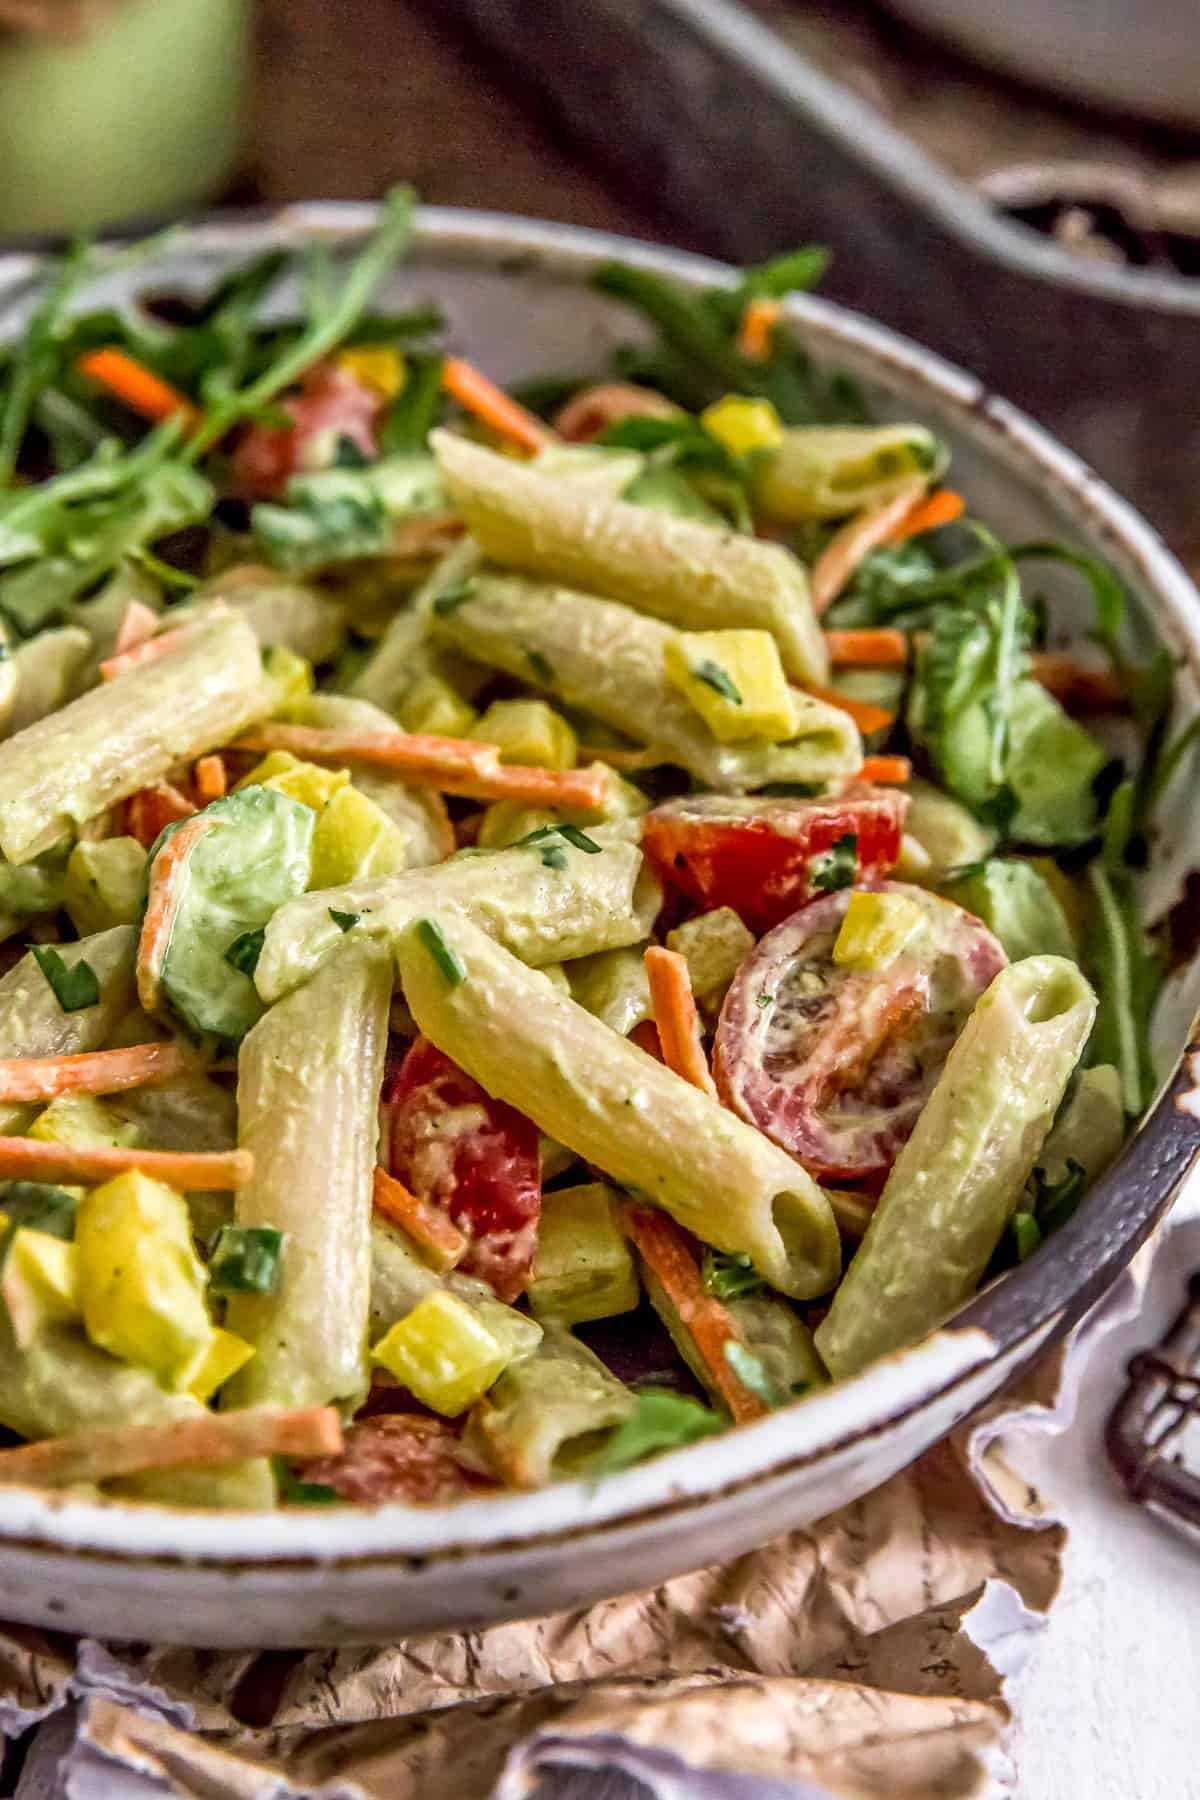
(476, 394)
(207, 1439)
(440, 1239)
(136, 387)
(147, 811)
(28, 1159)
(676, 1017)
(40, 1078)
(941, 508)
(885, 771)
(710, 1325)
(452, 765)
(867, 716)
(756, 328)
(138, 622)
(851, 546)
(168, 873)
(210, 778)
(869, 648)
(1079, 688)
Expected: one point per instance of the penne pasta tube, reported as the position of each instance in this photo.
(957, 1180)
(610, 661)
(49, 669)
(33, 1023)
(691, 573)
(127, 733)
(542, 912)
(544, 1404)
(309, 1075)
(528, 1044)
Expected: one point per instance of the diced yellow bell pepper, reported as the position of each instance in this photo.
(40, 1283)
(377, 366)
(582, 1269)
(223, 1355)
(303, 781)
(735, 681)
(105, 884)
(443, 1353)
(743, 425)
(875, 930)
(436, 709)
(354, 837)
(529, 732)
(290, 675)
(714, 945)
(83, 1122)
(141, 1284)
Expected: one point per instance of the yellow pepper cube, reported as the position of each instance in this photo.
(876, 929)
(83, 1122)
(735, 681)
(443, 1353)
(743, 425)
(40, 1284)
(141, 1284)
(529, 732)
(223, 1355)
(354, 837)
(290, 675)
(105, 884)
(302, 781)
(582, 1269)
(714, 945)
(377, 366)
(434, 708)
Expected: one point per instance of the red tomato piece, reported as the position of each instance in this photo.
(477, 1158)
(152, 809)
(331, 405)
(835, 1065)
(759, 855)
(398, 1456)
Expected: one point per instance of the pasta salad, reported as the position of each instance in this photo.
(537, 926)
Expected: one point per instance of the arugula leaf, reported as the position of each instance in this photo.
(75, 985)
(660, 1421)
(837, 866)
(244, 952)
(245, 1260)
(414, 411)
(448, 961)
(343, 920)
(295, 1491)
(1057, 1201)
(730, 1277)
(1127, 970)
(714, 676)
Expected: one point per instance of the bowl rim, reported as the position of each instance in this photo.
(1033, 1303)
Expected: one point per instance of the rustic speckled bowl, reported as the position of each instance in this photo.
(517, 297)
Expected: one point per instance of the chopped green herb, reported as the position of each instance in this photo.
(451, 598)
(448, 961)
(837, 867)
(245, 1259)
(660, 1421)
(714, 676)
(344, 921)
(553, 856)
(415, 409)
(730, 1277)
(244, 952)
(764, 1000)
(1058, 1201)
(750, 1372)
(295, 1491)
(579, 839)
(75, 985)
(542, 667)
(165, 572)
(347, 454)
(39, 1206)
(1026, 1233)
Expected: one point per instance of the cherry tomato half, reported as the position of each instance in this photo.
(331, 405)
(477, 1158)
(763, 857)
(835, 1065)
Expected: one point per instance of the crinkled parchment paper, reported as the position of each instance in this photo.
(863, 1657)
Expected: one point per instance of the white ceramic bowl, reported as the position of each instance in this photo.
(517, 297)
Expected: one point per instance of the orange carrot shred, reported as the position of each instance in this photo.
(147, 811)
(207, 1439)
(427, 1225)
(941, 508)
(28, 1159)
(136, 387)
(853, 543)
(879, 647)
(210, 778)
(676, 1017)
(43, 1078)
(138, 622)
(756, 328)
(885, 771)
(868, 717)
(476, 394)
(710, 1325)
(168, 872)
